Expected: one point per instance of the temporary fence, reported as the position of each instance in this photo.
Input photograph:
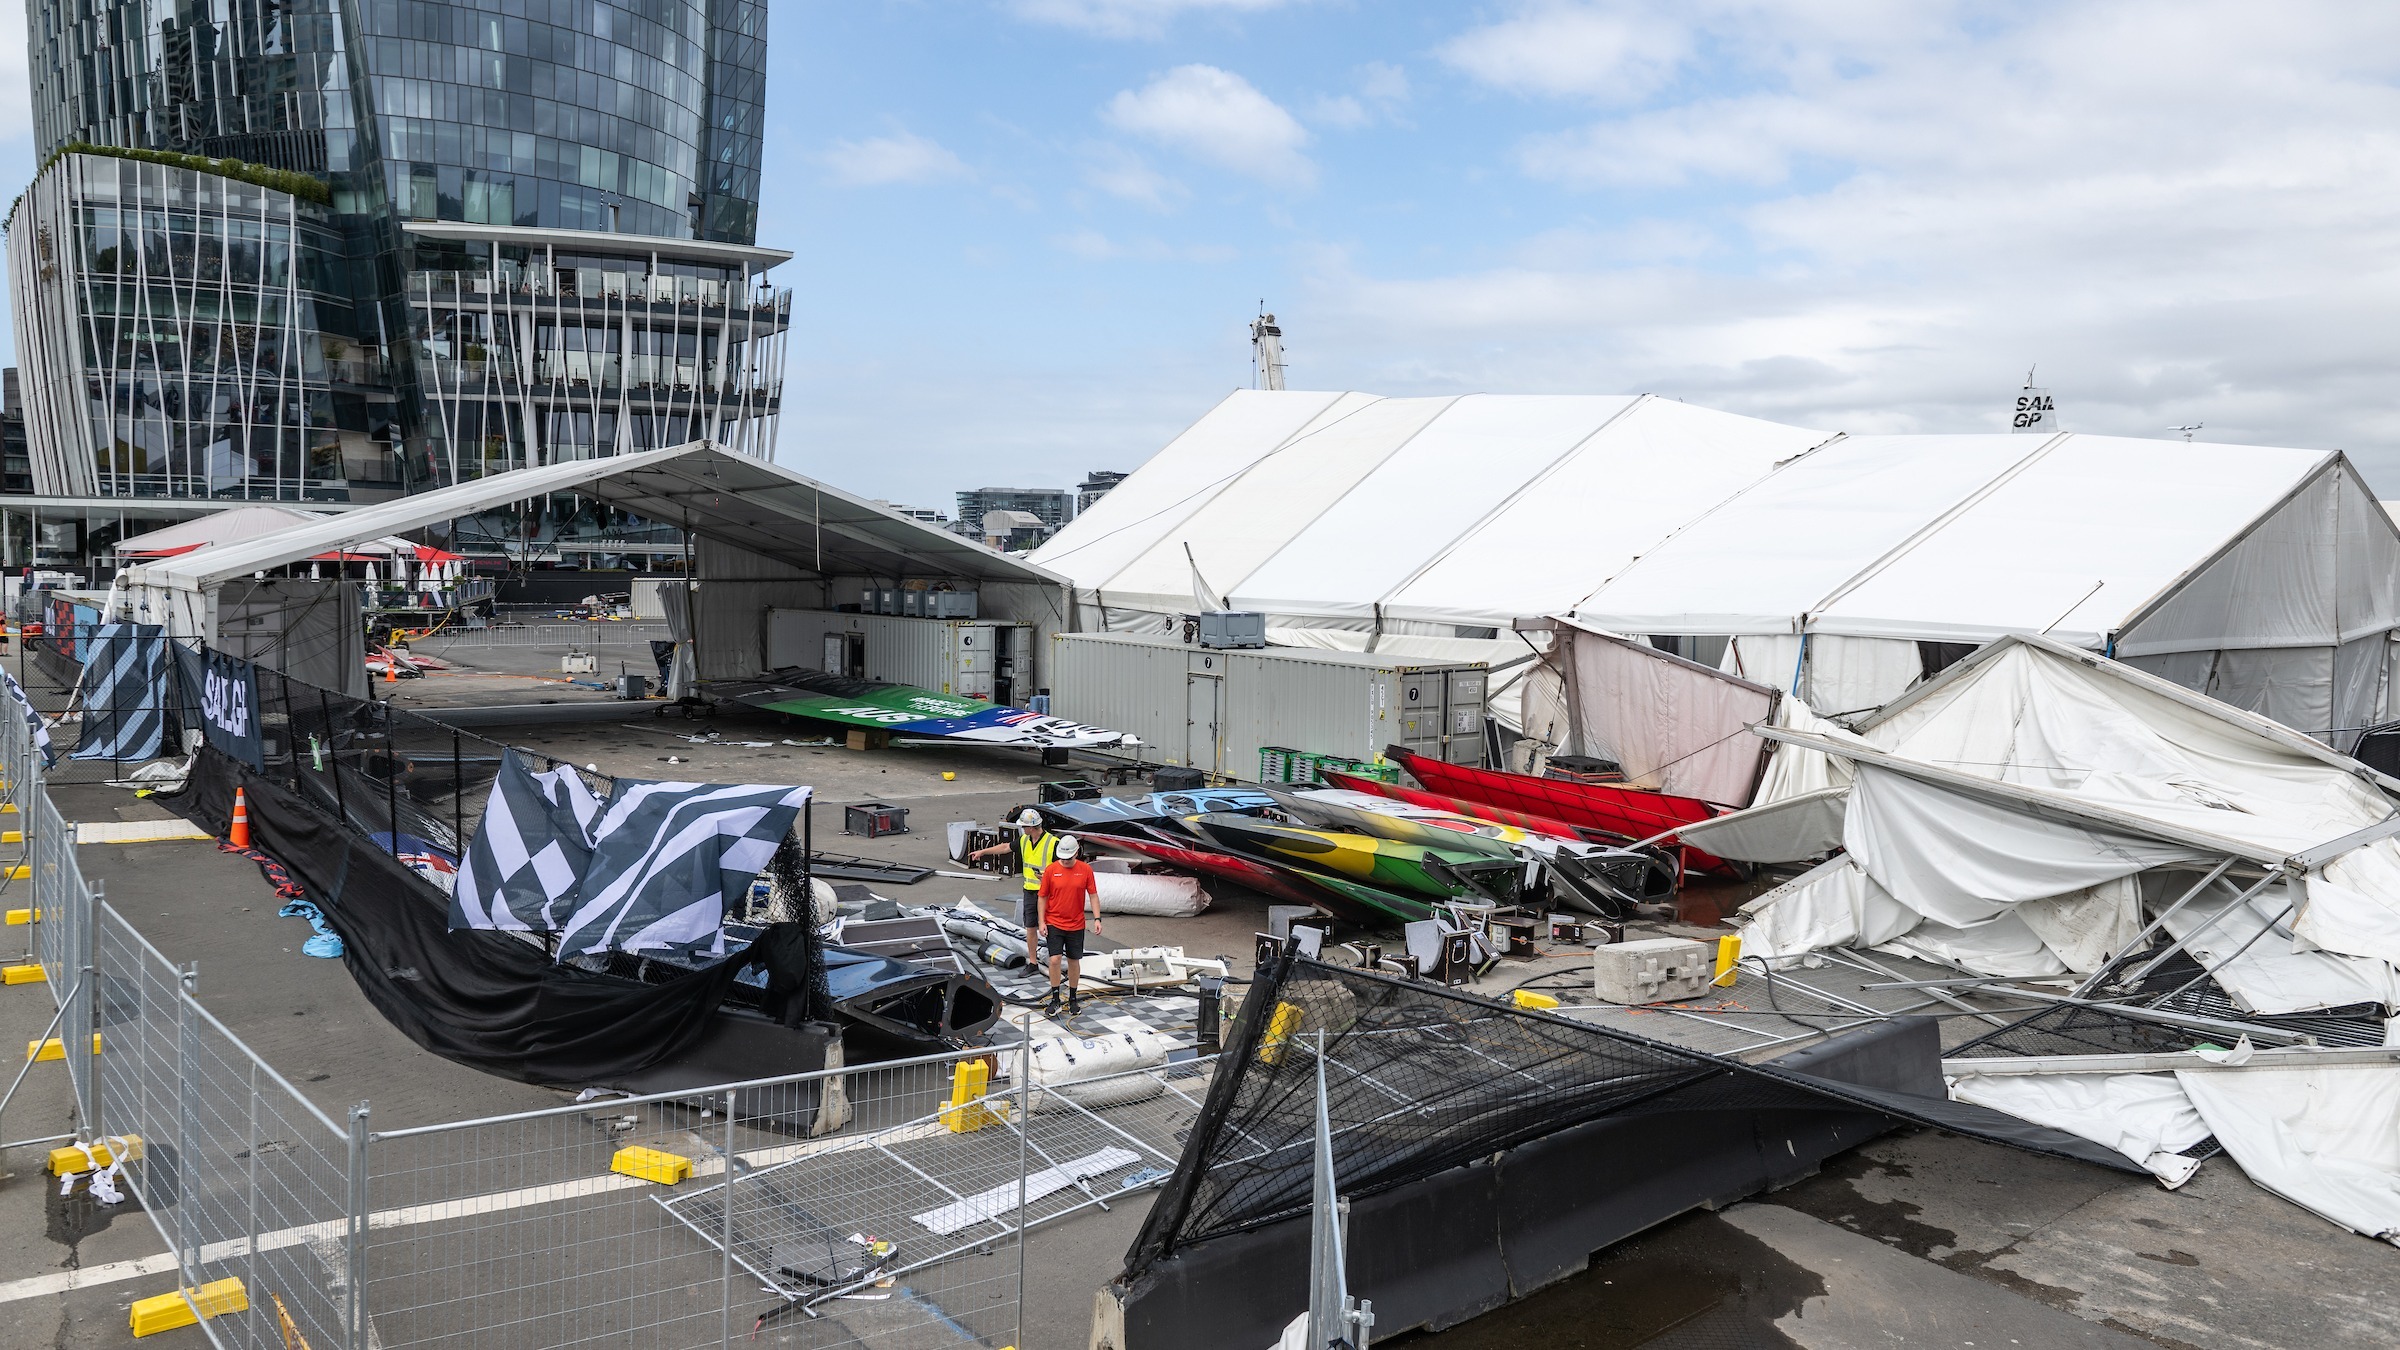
(879, 1206)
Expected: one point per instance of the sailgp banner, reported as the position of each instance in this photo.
(222, 691)
(915, 712)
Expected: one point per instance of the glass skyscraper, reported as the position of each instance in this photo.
(338, 249)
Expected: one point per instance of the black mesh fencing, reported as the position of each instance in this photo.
(1421, 1079)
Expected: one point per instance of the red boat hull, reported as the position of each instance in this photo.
(1630, 812)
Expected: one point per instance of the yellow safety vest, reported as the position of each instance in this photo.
(1037, 854)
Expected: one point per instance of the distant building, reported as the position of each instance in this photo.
(1053, 507)
(16, 459)
(1094, 486)
(923, 513)
(1013, 530)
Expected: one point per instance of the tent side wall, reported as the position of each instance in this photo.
(1673, 725)
(2295, 620)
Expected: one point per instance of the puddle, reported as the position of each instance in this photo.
(69, 1219)
(1698, 1283)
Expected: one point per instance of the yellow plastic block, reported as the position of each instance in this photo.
(18, 918)
(1729, 958)
(12, 836)
(54, 1048)
(1528, 998)
(20, 871)
(650, 1164)
(165, 1312)
(28, 974)
(968, 1111)
(65, 1160)
(1279, 1030)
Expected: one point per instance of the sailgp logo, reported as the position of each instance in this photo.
(225, 703)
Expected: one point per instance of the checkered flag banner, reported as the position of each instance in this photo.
(522, 869)
(665, 857)
(124, 694)
(33, 720)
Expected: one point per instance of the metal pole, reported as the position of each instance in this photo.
(2084, 990)
(187, 1245)
(2241, 901)
(354, 1312)
(458, 797)
(88, 919)
(250, 1151)
(1024, 1123)
(334, 755)
(725, 1270)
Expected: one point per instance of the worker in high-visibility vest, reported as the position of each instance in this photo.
(1036, 848)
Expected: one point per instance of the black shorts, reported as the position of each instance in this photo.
(1029, 912)
(1066, 942)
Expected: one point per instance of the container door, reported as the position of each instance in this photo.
(1463, 739)
(1420, 713)
(977, 661)
(837, 654)
(1203, 702)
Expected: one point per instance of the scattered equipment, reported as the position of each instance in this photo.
(873, 820)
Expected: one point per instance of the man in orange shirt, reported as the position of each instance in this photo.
(1067, 888)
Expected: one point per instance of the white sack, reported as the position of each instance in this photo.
(2144, 1116)
(2326, 1139)
(1154, 896)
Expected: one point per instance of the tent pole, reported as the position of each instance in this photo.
(2207, 971)
(2212, 921)
(2084, 990)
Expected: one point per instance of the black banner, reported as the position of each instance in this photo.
(220, 695)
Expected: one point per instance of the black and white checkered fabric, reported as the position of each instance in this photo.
(665, 857)
(124, 693)
(33, 720)
(530, 852)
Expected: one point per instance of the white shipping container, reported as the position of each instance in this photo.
(1216, 709)
(948, 656)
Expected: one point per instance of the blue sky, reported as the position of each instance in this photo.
(1030, 234)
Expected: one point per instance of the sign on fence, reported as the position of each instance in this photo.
(224, 689)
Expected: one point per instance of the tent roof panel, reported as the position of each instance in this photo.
(1432, 490)
(2060, 548)
(1210, 454)
(749, 503)
(231, 525)
(1566, 534)
(1281, 495)
(1770, 554)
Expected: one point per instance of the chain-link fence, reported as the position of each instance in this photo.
(882, 1206)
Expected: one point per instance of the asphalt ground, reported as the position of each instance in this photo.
(1917, 1239)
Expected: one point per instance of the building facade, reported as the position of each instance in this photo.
(1094, 486)
(1053, 507)
(333, 250)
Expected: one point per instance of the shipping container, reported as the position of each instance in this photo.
(1216, 710)
(970, 657)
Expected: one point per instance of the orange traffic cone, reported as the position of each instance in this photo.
(240, 835)
(391, 669)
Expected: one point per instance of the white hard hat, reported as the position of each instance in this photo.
(1029, 818)
(1066, 846)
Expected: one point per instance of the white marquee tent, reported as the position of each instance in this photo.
(1407, 515)
(2266, 577)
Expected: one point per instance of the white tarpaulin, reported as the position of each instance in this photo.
(2013, 802)
(2144, 1116)
(2325, 1138)
(1674, 726)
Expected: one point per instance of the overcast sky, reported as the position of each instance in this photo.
(1031, 233)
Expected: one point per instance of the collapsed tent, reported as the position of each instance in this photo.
(2036, 810)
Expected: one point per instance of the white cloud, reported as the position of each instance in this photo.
(1099, 247)
(16, 110)
(902, 157)
(2184, 212)
(1612, 53)
(1122, 174)
(1217, 116)
(1130, 18)
(1382, 90)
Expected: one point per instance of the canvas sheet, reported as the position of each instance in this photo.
(2267, 974)
(2145, 1116)
(1675, 727)
(2326, 1139)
